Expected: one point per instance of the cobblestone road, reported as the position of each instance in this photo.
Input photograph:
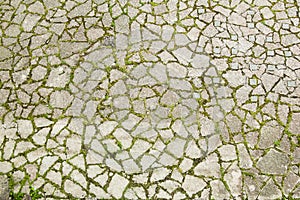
(140, 99)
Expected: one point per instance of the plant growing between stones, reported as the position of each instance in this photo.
(34, 194)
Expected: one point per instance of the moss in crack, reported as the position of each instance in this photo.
(277, 143)
(119, 144)
(16, 195)
(34, 194)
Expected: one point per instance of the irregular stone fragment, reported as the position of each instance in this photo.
(4, 53)
(295, 121)
(180, 84)
(139, 148)
(60, 99)
(30, 21)
(273, 162)
(218, 190)
(37, 7)
(193, 184)
(267, 12)
(176, 70)
(289, 39)
(210, 31)
(58, 77)
(47, 163)
(209, 167)
(269, 81)
(181, 39)
(5, 167)
(169, 98)
(147, 161)
(25, 128)
(121, 102)
(74, 189)
(90, 109)
(270, 133)
(130, 166)
(118, 88)
(227, 152)
(42, 122)
(183, 54)
(40, 137)
(200, 61)
(193, 151)
(81, 10)
(270, 191)
(290, 182)
(233, 178)
(54, 177)
(117, 186)
(237, 19)
(159, 72)
(107, 127)
(122, 24)
(123, 137)
(176, 147)
(244, 157)
(159, 174)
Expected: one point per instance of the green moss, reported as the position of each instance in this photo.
(108, 68)
(123, 69)
(16, 196)
(248, 174)
(277, 143)
(34, 194)
(119, 144)
(153, 4)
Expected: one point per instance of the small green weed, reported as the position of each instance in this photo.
(16, 196)
(277, 143)
(34, 194)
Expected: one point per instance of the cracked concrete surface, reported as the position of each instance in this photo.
(143, 99)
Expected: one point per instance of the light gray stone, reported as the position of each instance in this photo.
(60, 99)
(244, 157)
(121, 102)
(218, 190)
(180, 84)
(176, 70)
(209, 167)
(117, 186)
(139, 148)
(227, 152)
(5, 167)
(274, 162)
(30, 21)
(58, 77)
(4, 53)
(4, 188)
(159, 174)
(200, 61)
(193, 185)
(130, 166)
(25, 128)
(176, 147)
(170, 98)
(74, 189)
(123, 137)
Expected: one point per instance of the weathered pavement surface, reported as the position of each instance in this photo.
(138, 99)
